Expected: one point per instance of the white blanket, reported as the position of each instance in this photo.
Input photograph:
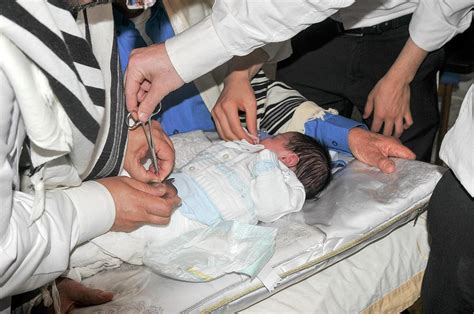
(360, 205)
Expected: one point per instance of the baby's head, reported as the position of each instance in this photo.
(305, 156)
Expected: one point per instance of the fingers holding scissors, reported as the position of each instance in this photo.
(164, 151)
(148, 142)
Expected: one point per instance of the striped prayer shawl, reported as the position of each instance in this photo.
(276, 103)
(88, 88)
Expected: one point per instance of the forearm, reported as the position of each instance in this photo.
(406, 65)
(247, 66)
(239, 27)
(332, 131)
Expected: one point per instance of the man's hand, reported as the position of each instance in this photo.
(149, 77)
(375, 149)
(74, 294)
(138, 203)
(237, 95)
(137, 151)
(389, 101)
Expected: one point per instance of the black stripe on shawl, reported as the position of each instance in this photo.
(72, 49)
(280, 84)
(276, 110)
(263, 86)
(276, 126)
(78, 52)
(109, 162)
(85, 57)
(272, 118)
(78, 115)
(17, 14)
(97, 95)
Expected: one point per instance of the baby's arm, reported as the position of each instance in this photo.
(274, 188)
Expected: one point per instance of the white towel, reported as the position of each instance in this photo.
(457, 149)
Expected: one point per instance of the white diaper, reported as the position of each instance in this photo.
(209, 253)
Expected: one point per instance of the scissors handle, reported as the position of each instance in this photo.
(133, 123)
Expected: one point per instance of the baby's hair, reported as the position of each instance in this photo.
(314, 166)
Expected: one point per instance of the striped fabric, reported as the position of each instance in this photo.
(47, 33)
(276, 103)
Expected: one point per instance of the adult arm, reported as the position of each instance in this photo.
(348, 136)
(389, 100)
(238, 94)
(34, 253)
(433, 24)
(235, 27)
(275, 191)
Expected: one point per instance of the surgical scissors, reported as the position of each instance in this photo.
(133, 123)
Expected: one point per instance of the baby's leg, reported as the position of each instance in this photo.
(179, 224)
(113, 248)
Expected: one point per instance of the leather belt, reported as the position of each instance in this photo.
(378, 28)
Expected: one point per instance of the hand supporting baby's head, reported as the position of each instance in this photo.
(305, 156)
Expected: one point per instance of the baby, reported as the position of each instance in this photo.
(225, 181)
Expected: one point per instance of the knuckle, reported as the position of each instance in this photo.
(218, 111)
(228, 109)
(157, 220)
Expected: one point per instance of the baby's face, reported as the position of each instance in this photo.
(277, 143)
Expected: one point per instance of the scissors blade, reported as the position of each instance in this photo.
(151, 144)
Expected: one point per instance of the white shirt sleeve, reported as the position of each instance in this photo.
(278, 51)
(435, 22)
(275, 189)
(237, 27)
(33, 255)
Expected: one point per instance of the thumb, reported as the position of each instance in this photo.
(401, 151)
(155, 188)
(87, 297)
(386, 165)
(140, 173)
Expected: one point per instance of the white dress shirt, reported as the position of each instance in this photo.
(237, 27)
(457, 149)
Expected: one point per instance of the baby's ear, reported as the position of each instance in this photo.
(290, 159)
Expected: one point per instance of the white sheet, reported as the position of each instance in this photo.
(356, 282)
(346, 287)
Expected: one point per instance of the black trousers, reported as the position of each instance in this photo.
(338, 71)
(448, 284)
